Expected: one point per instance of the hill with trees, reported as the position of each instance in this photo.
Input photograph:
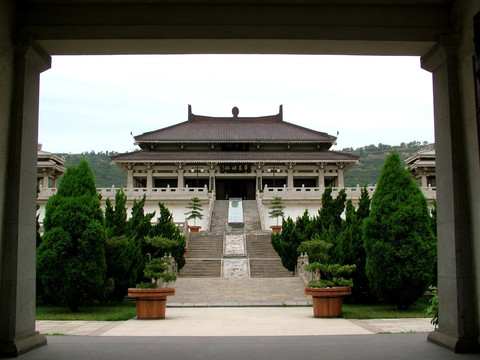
(366, 172)
(369, 167)
(106, 173)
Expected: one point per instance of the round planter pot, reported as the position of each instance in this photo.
(327, 302)
(276, 228)
(194, 229)
(151, 303)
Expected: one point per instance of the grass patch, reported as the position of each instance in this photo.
(112, 312)
(354, 311)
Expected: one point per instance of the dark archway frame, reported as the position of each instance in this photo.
(439, 31)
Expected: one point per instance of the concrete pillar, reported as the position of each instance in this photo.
(181, 178)
(321, 178)
(149, 179)
(259, 180)
(457, 187)
(290, 178)
(129, 179)
(17, 285)
(45, 180)
(211, 180)
(340, 182)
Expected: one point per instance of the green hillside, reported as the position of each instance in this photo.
(372, 157)
(106, 173)
(365, 172)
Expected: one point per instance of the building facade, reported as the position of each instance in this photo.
(234, 156)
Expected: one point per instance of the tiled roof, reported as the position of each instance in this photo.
(233, 156)
(235, 129)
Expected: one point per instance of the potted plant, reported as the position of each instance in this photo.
(195, 213)
(331, 281)
(276, 211)
(151, 297)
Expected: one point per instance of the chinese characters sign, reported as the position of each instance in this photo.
(234, 168)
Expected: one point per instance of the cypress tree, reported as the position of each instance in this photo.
(71, 258)
(286, 243)
(123, 251)
(165, 228)
(398, 239)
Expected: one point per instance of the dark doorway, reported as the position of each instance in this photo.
(235, 188)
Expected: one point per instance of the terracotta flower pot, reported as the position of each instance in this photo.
(194, 229)
(276, 228)
(327, 302)
(151, 303)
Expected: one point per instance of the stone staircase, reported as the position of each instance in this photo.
(204, 258)
(264, 261)
(204, 255)
(218, 224)
(251, 216)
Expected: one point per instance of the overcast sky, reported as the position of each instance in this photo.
(94, 102)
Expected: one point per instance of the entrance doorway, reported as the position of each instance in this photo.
(235, 188)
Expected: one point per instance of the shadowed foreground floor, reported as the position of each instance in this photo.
(390, 347)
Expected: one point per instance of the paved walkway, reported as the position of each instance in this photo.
(231, 321)
(206, 292)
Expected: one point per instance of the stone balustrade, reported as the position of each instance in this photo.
(303, 192)
(304, 275)
(285, 193)
(170, 193)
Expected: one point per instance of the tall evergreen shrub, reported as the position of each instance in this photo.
(71, 258)
(123, 250)
(351, 250)
(166, 229)
(398, 238)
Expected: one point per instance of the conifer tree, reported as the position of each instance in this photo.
(123, 250)
(276, 208)
(351, 250)
(71, 258)
(165, 228)
(116, 217)
(286, 243)
(398, 239)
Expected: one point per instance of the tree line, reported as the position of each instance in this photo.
(87, 257)
(390, 238)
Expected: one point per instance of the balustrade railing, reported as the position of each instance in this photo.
(153, 193)
(203, 192)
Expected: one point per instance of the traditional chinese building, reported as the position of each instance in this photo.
(234, 156)
(49, 168)
(422, 166)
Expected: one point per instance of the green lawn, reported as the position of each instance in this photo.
(112, 312)
(353, 311)
(126, 310)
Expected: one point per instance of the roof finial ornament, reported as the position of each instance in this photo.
(235, 111)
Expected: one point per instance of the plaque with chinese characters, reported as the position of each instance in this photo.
(234, 168)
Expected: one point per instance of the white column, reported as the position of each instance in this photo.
(17, 238)
(290, 178)
(45, 180)
(149, 179)
(457, 194)
(129, 179)
(181, 178)
(321, 178)
(340, 182)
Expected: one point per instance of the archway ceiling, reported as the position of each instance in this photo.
(373, 27)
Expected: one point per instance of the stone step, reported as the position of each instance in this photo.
(268, 268)
(235, 292)
(201, 268)
(218, 223)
